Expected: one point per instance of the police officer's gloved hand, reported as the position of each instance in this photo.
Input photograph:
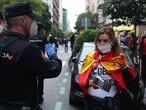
(51, 50)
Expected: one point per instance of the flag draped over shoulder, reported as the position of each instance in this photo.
(111, 63)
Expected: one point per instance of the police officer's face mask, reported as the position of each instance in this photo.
(33, 28)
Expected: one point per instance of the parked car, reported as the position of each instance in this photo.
(75, 64)
(76, 95)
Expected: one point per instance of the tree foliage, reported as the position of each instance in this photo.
(56, 32)
(45, 18)
(92, 21)
(38, 6)
(131, 10)
(87, 36)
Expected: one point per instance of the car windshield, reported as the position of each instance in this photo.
(86, 50)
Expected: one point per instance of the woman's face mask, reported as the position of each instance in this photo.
(104, 43)
(33, 29)
(105, 47)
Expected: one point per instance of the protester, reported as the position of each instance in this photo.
(22, 62)
(104, 74)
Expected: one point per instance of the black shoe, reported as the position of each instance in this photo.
(41, 99)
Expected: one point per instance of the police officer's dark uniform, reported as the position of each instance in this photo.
(40, 41)
(20, 65)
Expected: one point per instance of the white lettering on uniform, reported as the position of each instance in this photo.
(6, 55)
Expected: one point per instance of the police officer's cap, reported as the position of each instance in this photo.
(19, 9)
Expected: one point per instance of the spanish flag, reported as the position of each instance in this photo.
(112, 63)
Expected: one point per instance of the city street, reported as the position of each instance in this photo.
(56, 96)
(107, 75)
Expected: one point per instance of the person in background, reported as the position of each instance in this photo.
(65, 41)
(72, 40)
(142, 55)
(22, 62)
(53, 40)
(105, 74)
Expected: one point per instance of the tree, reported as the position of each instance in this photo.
(56, 32)
(128, 10)
(92, 21)
(38, 6)
(45, 18)
(87, 36)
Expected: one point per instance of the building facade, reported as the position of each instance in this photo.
(60, 15)
(55, 13)
(55, 8)
(95, 6)
(92, 6)
(64, 19)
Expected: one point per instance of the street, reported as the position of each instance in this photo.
(56, 90)
(108, 75)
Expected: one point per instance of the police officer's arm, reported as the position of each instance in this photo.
(33, 61)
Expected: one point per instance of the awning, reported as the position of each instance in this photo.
(124, 28)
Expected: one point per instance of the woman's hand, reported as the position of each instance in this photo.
(91, 84)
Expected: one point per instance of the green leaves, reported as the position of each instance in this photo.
(87, 36)
(38, 6)
(92, 21)
(133, 10)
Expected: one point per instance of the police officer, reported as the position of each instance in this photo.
(21, 62)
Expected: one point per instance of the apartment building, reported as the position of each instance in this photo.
(64, 19)
(55, 13)
(95, 6)
(60, 15)
(55, 7)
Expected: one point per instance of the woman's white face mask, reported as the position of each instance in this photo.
(33, 29)
(104, 48)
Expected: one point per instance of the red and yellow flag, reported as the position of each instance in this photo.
(111, 63)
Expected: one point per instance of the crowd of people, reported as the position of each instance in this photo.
(137, 46)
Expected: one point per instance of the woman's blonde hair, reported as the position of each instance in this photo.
(110, 32)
